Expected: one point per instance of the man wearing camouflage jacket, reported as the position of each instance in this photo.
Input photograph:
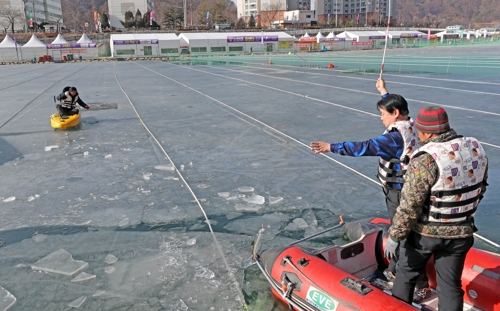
(444, 183)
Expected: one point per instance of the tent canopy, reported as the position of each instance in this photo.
(8, 43)
(59, 40)
(84, 39)
(34, 42)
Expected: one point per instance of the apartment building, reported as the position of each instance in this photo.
(118, 8)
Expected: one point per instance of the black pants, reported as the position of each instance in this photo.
(392, 198)
(449, 259)
(66, 112)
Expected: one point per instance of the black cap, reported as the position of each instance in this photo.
(72, 88)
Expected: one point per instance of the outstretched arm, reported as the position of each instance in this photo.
(81, 103)
(386, 146)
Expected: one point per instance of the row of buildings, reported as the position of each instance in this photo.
(287, 13)
(37, 12)
(268, 13)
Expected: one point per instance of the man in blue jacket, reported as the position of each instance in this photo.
(393, 148)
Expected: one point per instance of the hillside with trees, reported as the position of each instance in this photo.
(476, 13)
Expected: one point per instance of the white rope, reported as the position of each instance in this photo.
(231, 275)
(285, 135)
(386, 39)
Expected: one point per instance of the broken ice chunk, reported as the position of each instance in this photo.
(125, 222)
(110, 259)
(60, 262)
(9, 199)
(179, 306)
(48, 148)
(245, 189)
(7, 300)
(168, 261)
(168, 167)
(203, 272)
(108, 156)
(39, 238)
(84, 276)
(31, 198)
(98, 293)
(78, 302)
(203, 186)
(86, 153)
(223, 194)
(248, 207)
(301, 223)
(255, 199)
(191, 241)
(274, 200)
(109, 269)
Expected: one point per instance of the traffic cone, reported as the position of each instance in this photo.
(330, 65)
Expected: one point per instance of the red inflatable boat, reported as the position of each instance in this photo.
(344, 277)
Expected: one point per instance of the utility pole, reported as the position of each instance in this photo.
(191, 11)
(185, 14)
(336, 9)
(379, 13)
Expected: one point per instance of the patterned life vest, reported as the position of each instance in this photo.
(386, 168)
(69, 101)
(455, 195)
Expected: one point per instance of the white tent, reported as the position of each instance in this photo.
(88, 47)
(59, 40)
(84, 40)
(33, 49)
(306, 35)
(331, 35)
(319, 36)
(9, 50)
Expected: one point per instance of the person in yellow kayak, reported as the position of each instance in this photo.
(67, 102)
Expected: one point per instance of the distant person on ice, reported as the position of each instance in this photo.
(67, 102)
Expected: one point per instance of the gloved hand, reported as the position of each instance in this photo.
(391, 247)
(88, 107)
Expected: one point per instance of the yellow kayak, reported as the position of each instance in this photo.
(59, 123)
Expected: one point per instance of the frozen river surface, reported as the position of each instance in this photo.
(152, 202)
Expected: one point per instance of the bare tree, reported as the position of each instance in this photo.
(12, 16)
(270, 12)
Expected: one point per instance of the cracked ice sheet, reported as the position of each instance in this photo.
(7, 300)
(155, 270)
